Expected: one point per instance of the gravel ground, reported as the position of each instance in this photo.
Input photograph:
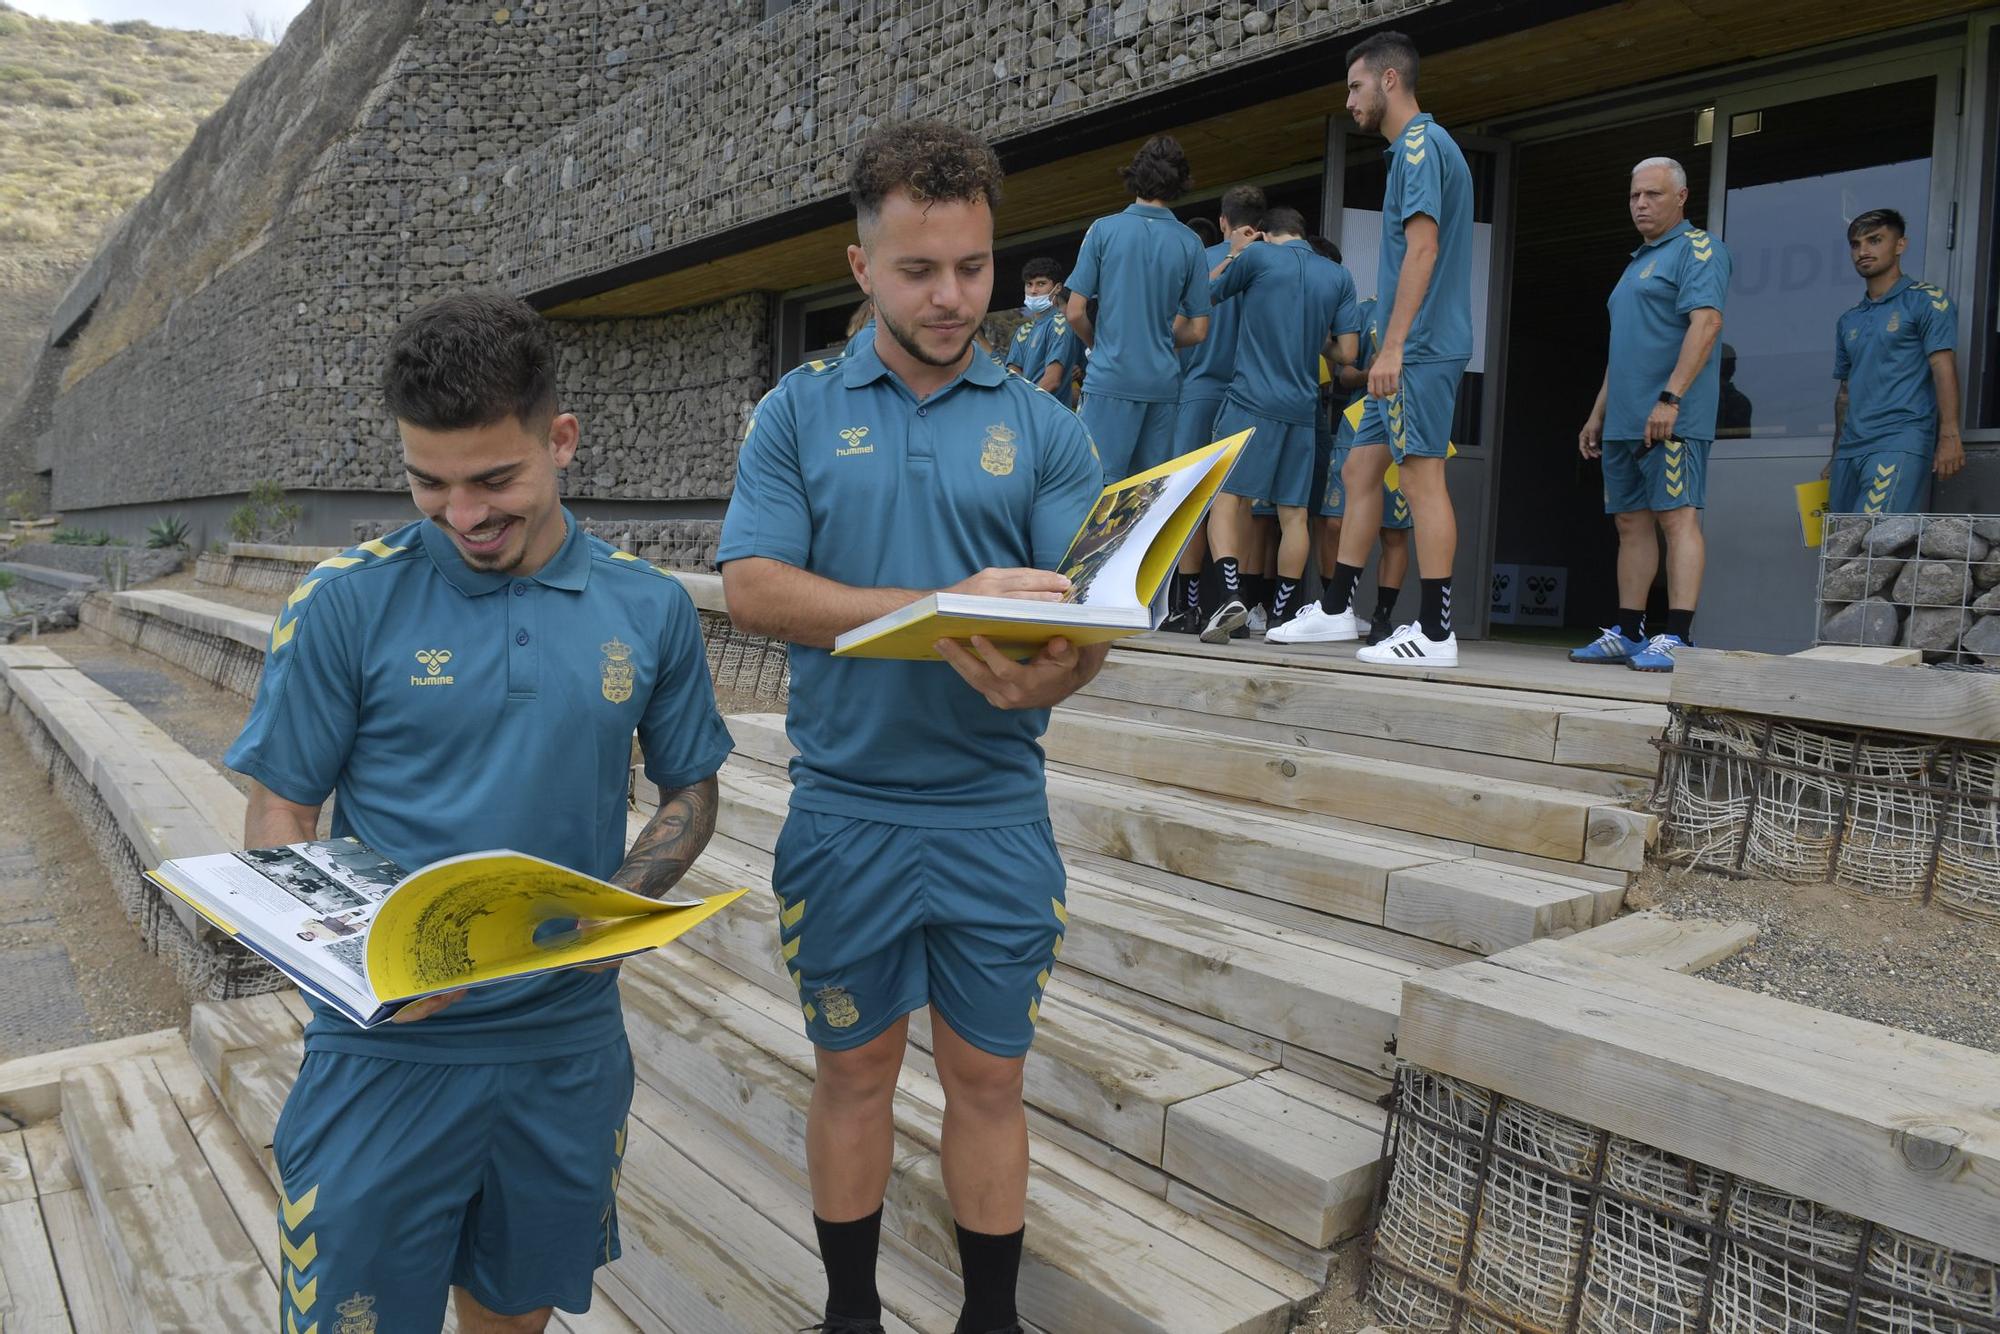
(1339, 1308)
(1901, 964)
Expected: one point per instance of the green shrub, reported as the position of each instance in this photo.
(22, 505)
(167, 533)
(267, 517)
(6, 581)
(58, 93)
(12, 25)
(17, 74)
(119, 95)
(69, 535)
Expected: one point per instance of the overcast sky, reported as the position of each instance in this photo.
(228, 16)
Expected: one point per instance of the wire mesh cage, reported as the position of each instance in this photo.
(1888, 814)
(1925, 581)
(1500, 1217)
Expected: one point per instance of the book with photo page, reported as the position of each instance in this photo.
(1117, 566)
(347, 925)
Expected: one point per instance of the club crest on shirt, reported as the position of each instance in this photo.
(838, 1007)
(854, 435)
(1895, 322)
(434, 661)
(1647, 272)
(357, 1315)
(997, 455)
(616, 670)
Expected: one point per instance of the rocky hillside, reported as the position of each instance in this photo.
(90, 113)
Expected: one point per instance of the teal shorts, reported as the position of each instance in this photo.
(1669, 476)
(1130, 436)
(1276, 463)
(1879, 482)
(877, 920)
(1333, 503)
(1414, 422)
(402, 1178)
(1194, 425)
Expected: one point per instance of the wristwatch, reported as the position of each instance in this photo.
(1670, 398)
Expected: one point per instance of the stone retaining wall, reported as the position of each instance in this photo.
(141, 563)
(1923, 581)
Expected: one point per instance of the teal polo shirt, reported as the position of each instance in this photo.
(1428, 177)
(1144, 267)
(1371, 339)
(1029, 350)
(1291, 298)
(1209, 366)
(846, 474)
(1065, 349)
(450, 710)
(1684, 271)
(1883, 348)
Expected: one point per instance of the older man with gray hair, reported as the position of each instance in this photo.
(1654, 418)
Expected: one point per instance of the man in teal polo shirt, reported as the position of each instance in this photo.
(1146, 271)
(1895, 417)
(1028, 354)
(473, 681)
(1654, 418)
(1297, 306)
(1422, 340)
(917, 866)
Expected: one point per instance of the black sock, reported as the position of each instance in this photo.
(1232, 582)
(1681, 623)
(1192, 593)
(1284, 600)
(1632, 624)
(990, 1264)
(1435, 616)
(1339, 589)
(1176, 592)
(848, 1251)
(1385, 602)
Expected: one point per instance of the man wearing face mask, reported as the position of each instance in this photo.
(1028, 354)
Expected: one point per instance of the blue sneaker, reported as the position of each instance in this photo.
(1657, 655)
(1609, 647)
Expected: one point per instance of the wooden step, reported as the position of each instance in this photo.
(1879, 1122)
(1328, 998)
(181, 1255)
(1281, 857)
(704, 1036)
(55, 1275)
(1497, 812)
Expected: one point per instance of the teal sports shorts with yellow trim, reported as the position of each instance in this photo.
(1879, 482)
(402, 1178)
(876, 920)
(1414, 422)
(1671, 475)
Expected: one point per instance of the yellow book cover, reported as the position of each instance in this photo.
(1813, 498)
(1117, 566)
(348, 926)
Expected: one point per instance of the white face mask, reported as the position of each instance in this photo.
(1035, 305)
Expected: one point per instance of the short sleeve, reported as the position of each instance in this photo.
(1937, 323)
(1067, 485)
(1083, 276)
(1235, 276)
(1022, 346)
(768, 514)
(1062, 346)
(1704, 277)
(1423, 184)
(1194, 287)
(681, 734)
(308, 706)
(1347, 312)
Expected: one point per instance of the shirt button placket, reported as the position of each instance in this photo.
(523, 649)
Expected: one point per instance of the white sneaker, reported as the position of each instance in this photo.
(1408, 648)
(1313, 625)
(1259, 622)
(1227, 619)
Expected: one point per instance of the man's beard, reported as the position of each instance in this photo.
(909, 344)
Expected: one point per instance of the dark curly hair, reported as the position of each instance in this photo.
(931, 161)
(1159, 170)
(471, 359)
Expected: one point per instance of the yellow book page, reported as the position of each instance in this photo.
(1813, 498)
(486, 919)
(917, 641)
(1166, 548)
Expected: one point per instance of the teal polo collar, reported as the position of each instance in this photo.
(1680, 228)
(1903, 284)
(1139, 210)
(863, 366)
(568, 569)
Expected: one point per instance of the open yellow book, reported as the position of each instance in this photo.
(347, 925)
(1117, 566)
(1813, 499)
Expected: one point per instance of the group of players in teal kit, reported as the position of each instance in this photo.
(469, 1153)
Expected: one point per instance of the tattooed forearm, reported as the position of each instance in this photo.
(671, 840)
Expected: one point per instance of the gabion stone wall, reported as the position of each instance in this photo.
(689, 154)
(1922, 581)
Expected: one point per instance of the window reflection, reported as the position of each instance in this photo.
(1793, 185)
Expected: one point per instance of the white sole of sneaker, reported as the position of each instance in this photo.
(1224, 627)
(1383, 660)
